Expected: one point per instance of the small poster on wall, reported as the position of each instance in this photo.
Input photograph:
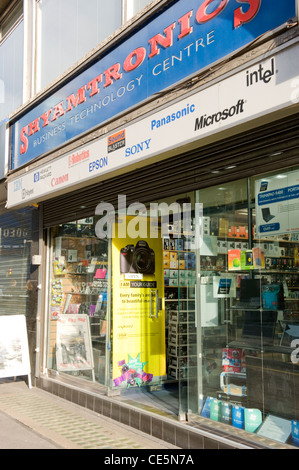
(73, 343)
(14, 352)
(277, 205)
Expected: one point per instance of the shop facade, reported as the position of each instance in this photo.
(162, 211)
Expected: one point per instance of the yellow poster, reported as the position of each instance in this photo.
(138, 314)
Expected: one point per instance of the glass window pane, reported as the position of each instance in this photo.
(11, 72)
(134, 6)
(11, 19)
(70, 29)
(78, 301)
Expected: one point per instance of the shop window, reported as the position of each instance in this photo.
(78, 301)
(132, 7)
(8, 22)
(122, 309)
(11, 61)
(249, 306)
(63, 28)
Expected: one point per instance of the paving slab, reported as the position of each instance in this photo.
(31, 418)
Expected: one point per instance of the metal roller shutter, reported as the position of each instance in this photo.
(15, 250)
(251, 153)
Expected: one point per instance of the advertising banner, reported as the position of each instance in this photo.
(277, 204)
(263, 87)
(184, 39)
(73, 343)
(14, 352)
(138, 314)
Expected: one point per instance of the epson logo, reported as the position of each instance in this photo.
(205, 121)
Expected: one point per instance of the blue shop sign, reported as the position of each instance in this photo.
(185, 38)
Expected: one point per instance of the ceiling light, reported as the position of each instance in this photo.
(281, 176)
(275, 154)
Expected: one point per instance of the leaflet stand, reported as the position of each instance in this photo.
(14, 351)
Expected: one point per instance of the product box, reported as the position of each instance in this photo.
(190, 260)
(173, 244)
(173, 264)
(258, 258)
(234, 260)
(232, 231)
(253, 419)
(231, 245)
(165, 254)
(221, 247)
(242, 231)
(182, 264)
(206, 408)
(295, 432)
(223, 227)
(238, 419)
(165, 243)
(214, 226)
(180, 244)
(173, 273)
(215, 409)
(226, 413)
(206, 225)
(246, 260)
(231, 359)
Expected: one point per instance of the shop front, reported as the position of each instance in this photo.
(190, 308)
(171, 237)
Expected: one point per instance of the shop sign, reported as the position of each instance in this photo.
(263, 87)
(187, 37)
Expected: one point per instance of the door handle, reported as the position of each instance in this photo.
(154, 310)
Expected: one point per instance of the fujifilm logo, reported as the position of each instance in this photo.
(260, 74)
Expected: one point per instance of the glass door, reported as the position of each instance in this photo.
(138, 314)
(153, 326)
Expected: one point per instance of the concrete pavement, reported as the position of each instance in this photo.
(35, 419)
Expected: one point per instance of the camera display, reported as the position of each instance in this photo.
(137, 259)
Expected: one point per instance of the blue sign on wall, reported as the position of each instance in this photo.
(187, 37)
